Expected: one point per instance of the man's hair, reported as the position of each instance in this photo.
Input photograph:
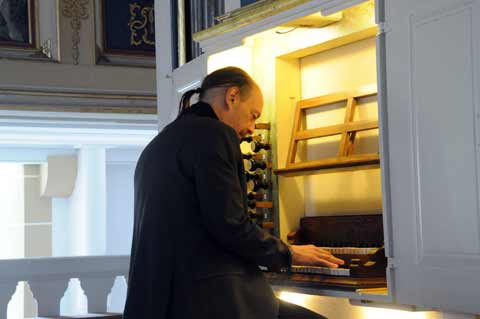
(226, 77)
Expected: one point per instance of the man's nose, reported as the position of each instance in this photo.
(251, 129)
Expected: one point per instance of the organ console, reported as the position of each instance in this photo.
(260, 210)
(358, 240)
(259, 204)
(255, 156)
(252, 204)
(258, 146)
(254, 177)
(257, 185)
(257, 196)
(251, 138)
(256, 215)
(252, 165)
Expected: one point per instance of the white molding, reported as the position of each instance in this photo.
(73, 137)
(235, 38)
(164, 60)
(383, 136)
(65, 90)
(338, 5)
(32, 155)
(141, 122)
(13, 96)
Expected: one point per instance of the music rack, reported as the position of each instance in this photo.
(345, 159)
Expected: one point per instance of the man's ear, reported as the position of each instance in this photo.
(232, 96)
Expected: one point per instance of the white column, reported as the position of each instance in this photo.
(87, 205)
(79, 221)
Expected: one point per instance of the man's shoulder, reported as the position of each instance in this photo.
(204, 127)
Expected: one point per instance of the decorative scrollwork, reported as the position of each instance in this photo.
(141, 25)
(77, 10)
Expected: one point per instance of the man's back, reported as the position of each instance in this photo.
(195, 252)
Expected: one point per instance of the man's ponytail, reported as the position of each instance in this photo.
(185, 100)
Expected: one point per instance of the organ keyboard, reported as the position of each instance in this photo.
(358, 240)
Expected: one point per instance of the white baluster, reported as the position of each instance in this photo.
(48, 293)
(117, 295)
(6, 292)
(97, 289)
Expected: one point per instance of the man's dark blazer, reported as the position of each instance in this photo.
(195, 252)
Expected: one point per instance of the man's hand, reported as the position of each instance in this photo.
(310, 255)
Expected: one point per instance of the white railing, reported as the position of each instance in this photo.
(48, 280)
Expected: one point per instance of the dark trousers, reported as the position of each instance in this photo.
(289, 310)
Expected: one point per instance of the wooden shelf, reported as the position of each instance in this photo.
(329, 165)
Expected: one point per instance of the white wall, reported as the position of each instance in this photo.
(119, 208)
(120, 169)
(11, 213)
(12, 218)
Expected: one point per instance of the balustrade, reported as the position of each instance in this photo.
(48, 279)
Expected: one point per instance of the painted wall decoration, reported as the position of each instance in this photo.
(128, 27)
(76, 11)
(17, 23)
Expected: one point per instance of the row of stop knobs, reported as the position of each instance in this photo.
(259, 185)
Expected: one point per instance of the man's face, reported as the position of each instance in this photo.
(243, 113)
